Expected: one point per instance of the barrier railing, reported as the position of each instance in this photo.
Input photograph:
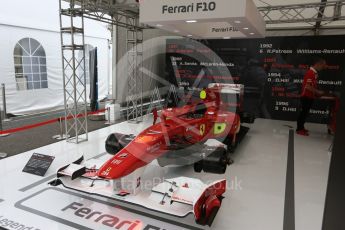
(36, 125)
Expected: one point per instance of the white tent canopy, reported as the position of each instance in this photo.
(33, 79)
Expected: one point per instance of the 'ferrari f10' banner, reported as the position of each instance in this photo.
(271, 70)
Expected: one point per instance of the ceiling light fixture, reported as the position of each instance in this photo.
(191, 21)
(237, 22)
(159, 25)
(246, 28)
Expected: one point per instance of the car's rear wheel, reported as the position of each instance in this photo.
(198, 167)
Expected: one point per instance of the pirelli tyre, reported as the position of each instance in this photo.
(216, 163)
(116, 142)
(198, 167)
(231, 146)
(247, 117)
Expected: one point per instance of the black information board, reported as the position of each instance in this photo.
(38, 164)
(271, 69)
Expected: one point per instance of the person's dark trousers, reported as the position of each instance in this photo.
(306, 104)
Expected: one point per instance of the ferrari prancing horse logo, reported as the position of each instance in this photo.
(202, 129)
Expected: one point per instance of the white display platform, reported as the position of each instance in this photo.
(255, 199)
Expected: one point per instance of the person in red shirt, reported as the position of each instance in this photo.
(309, 93)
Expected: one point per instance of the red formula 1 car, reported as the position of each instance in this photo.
(184, 136)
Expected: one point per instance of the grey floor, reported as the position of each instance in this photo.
(37, 137)
(256, 181)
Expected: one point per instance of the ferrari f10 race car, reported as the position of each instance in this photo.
(202, 133)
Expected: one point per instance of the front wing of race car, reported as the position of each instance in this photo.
(176, 196)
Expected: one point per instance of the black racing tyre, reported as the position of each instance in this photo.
(231, 147)
(117, 141)
(198, 167)
(112, 144)
(222, 168)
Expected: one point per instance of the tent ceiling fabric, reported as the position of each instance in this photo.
(132, 6)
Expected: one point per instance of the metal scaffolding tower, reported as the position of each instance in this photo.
(73, 62)
(112, 12)
(324, 11)
(73, 55)
(135, 76)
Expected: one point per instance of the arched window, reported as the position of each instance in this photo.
(30, 65)
(88, 48)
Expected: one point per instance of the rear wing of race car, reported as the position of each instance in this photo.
(229, 96)
(228, 88)
(227, 92)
